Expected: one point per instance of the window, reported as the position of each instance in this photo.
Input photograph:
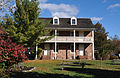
(81, 49)
(72, 48)
(57, 47)
(55, 21)
(71, 33)
(73, 22)
(72, 57)
(53, 47)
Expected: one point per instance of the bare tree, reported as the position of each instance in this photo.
(5, 6)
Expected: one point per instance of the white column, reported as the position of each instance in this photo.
(74, 44)
(55, 43)
(36, 52)
(93, 44)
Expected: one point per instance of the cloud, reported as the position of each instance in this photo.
(96, 18)
(42, 1)
(108, 38)
(114, 6)
(60, 10)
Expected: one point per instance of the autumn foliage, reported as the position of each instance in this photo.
(11, 53)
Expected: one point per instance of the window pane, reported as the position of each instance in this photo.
(73, 21)
(56, 21)
(72, 48)
(71, 33)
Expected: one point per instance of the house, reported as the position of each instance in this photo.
(74, 38)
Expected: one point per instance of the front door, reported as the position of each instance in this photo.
(81, 49)
(46, 49)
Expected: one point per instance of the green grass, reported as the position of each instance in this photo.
(52, 69)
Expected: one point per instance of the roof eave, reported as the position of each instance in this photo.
(71, 28)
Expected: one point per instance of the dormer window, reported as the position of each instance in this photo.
(55, 20)
(73, 21)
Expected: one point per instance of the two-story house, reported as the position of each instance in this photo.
(74, 38)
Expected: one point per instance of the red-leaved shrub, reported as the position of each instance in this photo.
(11, 53)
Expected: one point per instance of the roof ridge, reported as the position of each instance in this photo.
(62, 18)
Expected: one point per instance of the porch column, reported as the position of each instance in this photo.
(36, 52)
(55, 43)
(74, 44)
(93, 44)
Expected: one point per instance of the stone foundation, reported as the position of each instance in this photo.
(88, 51)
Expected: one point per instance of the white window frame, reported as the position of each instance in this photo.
(75, 20)
(54, 20)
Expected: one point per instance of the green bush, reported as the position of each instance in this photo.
(3, 72)
(39, 53)
(106, 56)
(114, 57)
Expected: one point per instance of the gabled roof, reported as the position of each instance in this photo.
(66, 23)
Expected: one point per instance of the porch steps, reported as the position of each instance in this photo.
(45, 57)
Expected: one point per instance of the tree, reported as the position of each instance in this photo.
(4, 4)
(5, 7)
(116, 44)
(115, 38)
(103, 45)
(25, 27)
(101, 42)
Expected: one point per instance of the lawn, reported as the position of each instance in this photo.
(52, 69)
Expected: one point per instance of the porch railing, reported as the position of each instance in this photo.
(69, 39)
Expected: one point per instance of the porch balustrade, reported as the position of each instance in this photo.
(69, 39)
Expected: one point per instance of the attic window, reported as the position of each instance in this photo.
(55, 20)
(73, 21)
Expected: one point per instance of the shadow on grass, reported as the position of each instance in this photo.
(97, 73)
(74, 64)
(113, 63)
(40, 75)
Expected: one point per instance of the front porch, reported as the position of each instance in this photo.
(67, 51)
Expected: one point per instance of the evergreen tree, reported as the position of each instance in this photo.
(25, 27)
(101, 42)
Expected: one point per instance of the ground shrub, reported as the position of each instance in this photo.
(11, 53)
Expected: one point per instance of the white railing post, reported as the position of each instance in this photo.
(74, 44)
(55, 43)
(93, 44)
(36, 52)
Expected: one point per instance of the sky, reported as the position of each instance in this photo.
(107, 12)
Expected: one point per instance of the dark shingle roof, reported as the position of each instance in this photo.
(66, 23)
